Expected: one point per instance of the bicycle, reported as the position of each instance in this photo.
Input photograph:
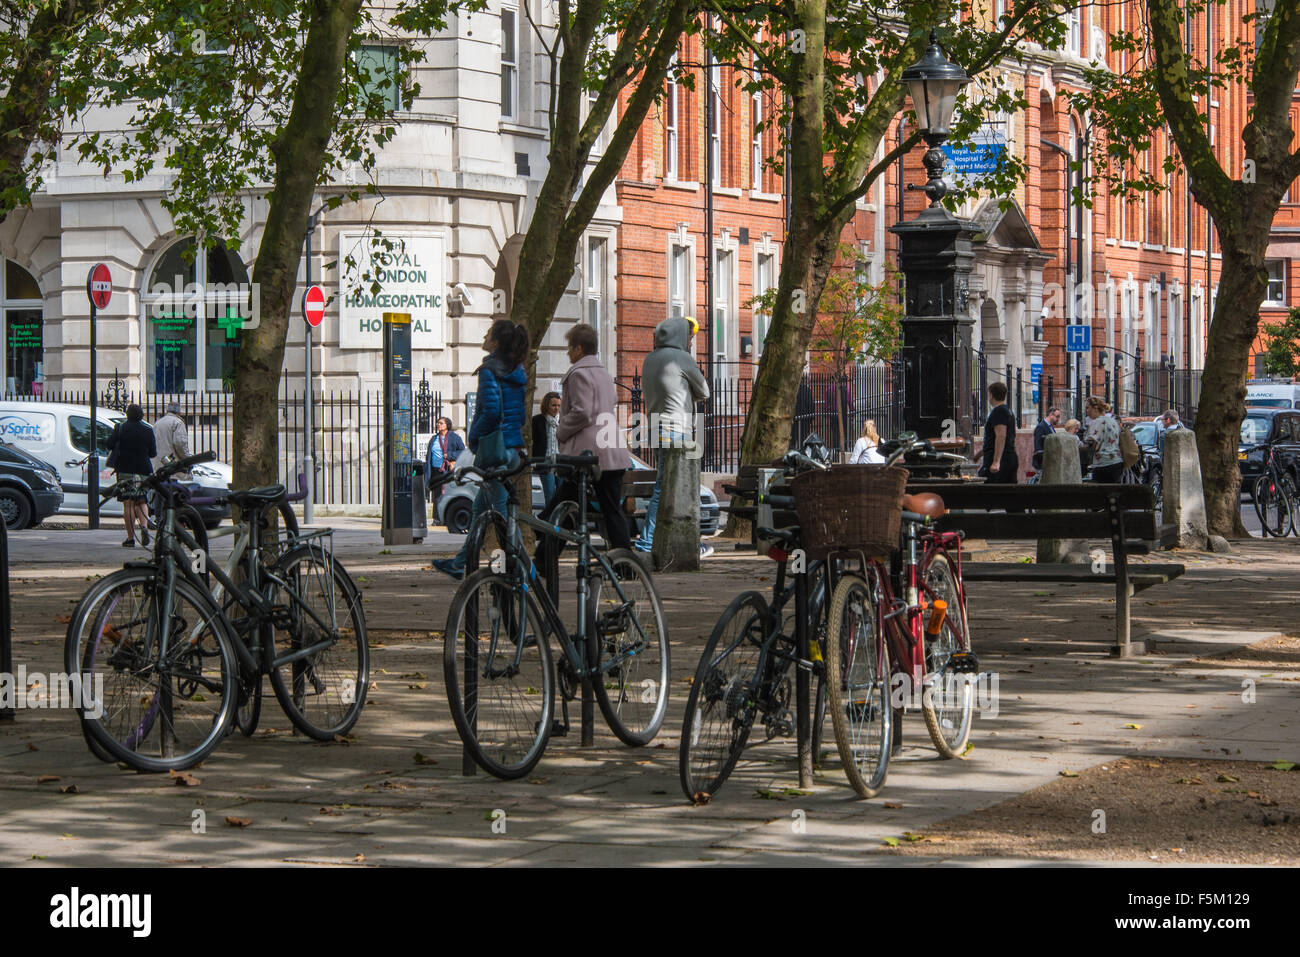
(176, 667)
(747, 680)
(497, 657)
(923, 637)
(1275, 496)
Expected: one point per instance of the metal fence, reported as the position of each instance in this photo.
(833, 408)
(347, 431)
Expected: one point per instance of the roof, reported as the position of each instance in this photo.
(1001, 227)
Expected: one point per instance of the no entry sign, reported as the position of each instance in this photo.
(313, 305)
(99, 285)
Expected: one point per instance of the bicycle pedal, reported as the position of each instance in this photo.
(964, 663)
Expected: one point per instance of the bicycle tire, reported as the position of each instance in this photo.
(1273, 506)
(858, 685)
(477, 534)
(249, 708)
(72, 649)
(949, 726)
(818, 600)
(721, 705)
(323, 693)
(627, 650)
(504, 717)
(144, 714)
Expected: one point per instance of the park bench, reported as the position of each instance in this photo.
(1125, 514)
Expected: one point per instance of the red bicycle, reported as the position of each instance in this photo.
(885, 648)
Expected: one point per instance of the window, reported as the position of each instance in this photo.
(764, 279)
(23, 312)
(509, 63)
(79, 433)
(210, 72)
(679, 264)
(378, 69)
(723, 324)
(756, 160)
(1276, 282)
(184, 304)
(670, 122)
(715, 132)
(1072, 31)
(598, 144)
(1263, 10)
(594, 288)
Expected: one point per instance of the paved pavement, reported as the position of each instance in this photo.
(1061, 704)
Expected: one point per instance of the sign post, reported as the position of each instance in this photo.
(313, 310)
(99, 290)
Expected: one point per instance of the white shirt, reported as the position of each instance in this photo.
(864, 453)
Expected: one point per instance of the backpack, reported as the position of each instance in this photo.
(1128, 447)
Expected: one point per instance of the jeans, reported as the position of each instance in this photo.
(548, 486)
(645, 541)
(497, 491)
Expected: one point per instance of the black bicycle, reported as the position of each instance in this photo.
(171, 668)
(744, 675)
(1275, 496)
(497, 656)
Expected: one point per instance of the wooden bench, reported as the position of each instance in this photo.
(1125, 514)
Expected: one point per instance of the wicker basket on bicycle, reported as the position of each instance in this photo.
(850, 508)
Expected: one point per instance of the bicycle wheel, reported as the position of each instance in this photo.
(627, 643)
(721, 705)
(79, 625)
(818, 600)
(947, 699)
(1273, 505)
(155, 711)
(500, 684)
(857, 670)
(1292, 503)
(249, 709)
(323, 689)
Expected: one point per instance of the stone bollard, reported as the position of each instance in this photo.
(1184, 495)
(677, 526)
(1060, 467)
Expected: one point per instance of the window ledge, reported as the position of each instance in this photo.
(1128, 244)
(509, 126)
(1176, 250)
(683, 185)
(1111, 242)
(731, 191)
(1151, 247)
(765, 197)
(1199, 252)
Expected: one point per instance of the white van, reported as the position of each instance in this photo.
(59, 434)
(1269, 394)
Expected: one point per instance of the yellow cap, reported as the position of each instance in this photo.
(695, 326)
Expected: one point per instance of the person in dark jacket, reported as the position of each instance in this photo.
(134, 442)
(544, 441)
(501, 384)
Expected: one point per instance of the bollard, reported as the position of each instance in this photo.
(677, 525)
(1184, 494)
(1060, 467)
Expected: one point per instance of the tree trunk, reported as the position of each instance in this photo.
(1243, 285)
(300, 157)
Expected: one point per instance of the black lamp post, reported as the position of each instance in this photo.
(935, 256)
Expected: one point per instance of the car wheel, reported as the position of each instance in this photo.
(15, 509)
(457, 516)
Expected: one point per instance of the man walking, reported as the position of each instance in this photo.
(673, 384)
(171, 437)
(1041, 431)
(1169, 421)
(1000, 460)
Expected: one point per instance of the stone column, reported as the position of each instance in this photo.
(1060, 467)
(1184, 496)
(677, 525)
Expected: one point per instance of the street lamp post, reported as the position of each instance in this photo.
(936, 257)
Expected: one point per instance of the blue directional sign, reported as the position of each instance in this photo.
(1036, 374)
(1078, 338)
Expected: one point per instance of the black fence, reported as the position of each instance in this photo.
(834, 408)
(347, 427)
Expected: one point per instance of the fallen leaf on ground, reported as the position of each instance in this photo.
(423, 759)
(1190, 781)
(32, 747)
(890, 842)
(893, 805)
(1283, 765)
(701, 798)
(183, 779)
(1068, 774)
(47, 778)
(239, 821)
(63, 619)
(1226, 779)
(1133, 727)
(68, 789)
(358, 859)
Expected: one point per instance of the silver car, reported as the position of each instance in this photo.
(455, 505)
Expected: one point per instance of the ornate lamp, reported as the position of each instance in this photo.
(935, 82)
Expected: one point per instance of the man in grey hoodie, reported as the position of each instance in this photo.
(673, 384)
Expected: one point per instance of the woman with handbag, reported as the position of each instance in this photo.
(132, 447)
(496, 436)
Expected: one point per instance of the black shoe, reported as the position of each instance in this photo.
(129, 543)
(144, 538)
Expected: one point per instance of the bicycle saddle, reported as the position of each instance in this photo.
(263, 495)
(925, 503)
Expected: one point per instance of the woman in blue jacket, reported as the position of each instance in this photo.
(501, 384)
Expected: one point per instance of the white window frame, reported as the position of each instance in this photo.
(1073, 31)
(1197, 308)
(5, 305)
(672, 108)
(764, 251)
(593, 288)
(1176, 324)
(715, 132)
(1151, 316)
(724, 303)
(680, 295)
(756, 146)
(1276, 291)
(510, 67)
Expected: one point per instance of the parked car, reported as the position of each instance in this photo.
(1277, 428)
(29, 488)
(59, 434)
(455, 506)
(1147, 433)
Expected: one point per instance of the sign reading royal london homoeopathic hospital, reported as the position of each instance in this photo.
(411, 279)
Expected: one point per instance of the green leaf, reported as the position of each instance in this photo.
(890, 842)
(1283, 766)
